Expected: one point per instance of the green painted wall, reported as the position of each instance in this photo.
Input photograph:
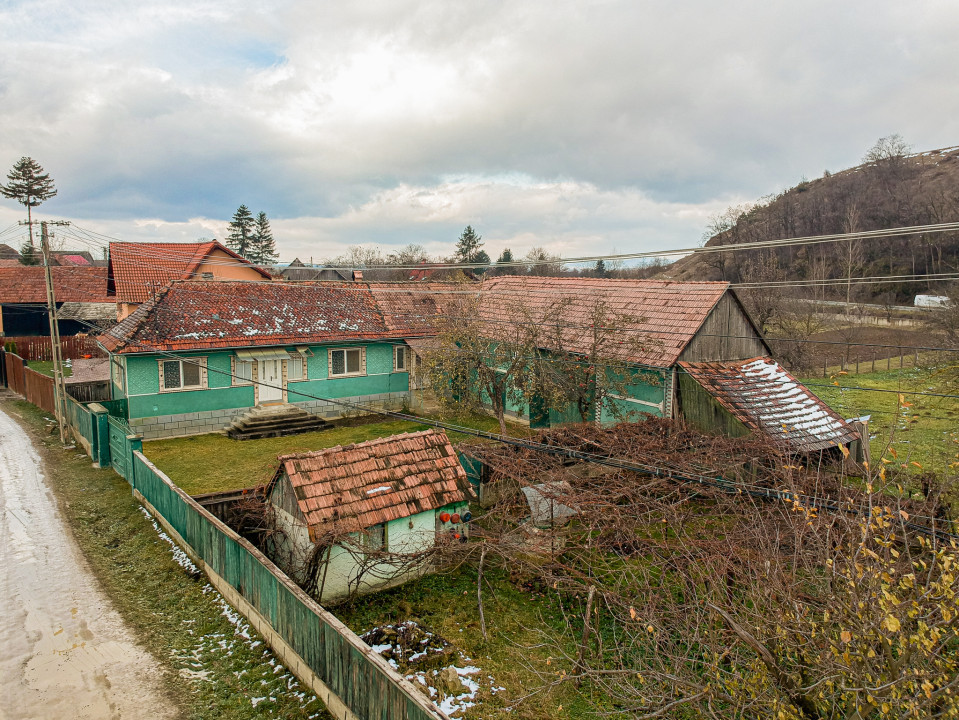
(146, 400)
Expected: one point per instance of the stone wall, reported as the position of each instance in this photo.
(210, 421)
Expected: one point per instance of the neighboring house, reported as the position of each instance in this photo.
(366, 513)
(137, 271)
(296, 271)
(80, 294)
(202, 353)
(690, 330)
(73, 258)
(8, 253)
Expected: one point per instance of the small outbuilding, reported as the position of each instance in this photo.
(361, 518)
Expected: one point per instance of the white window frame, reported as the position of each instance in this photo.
(290, 376)
(119, 372)
(404, 352)
(362, 370)
(183, 388)
(235, 371)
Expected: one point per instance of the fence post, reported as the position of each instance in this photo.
(134, 444)
(101, 432)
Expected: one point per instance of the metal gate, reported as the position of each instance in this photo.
(120, 451)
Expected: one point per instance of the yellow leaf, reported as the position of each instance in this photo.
(549, 660)
(892, 623)
(845, 450)
(632, 613)
(650, 628)
(916, 464)
(892, 451)
(904, 514)
(845, 636)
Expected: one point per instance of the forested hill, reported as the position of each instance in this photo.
(890, 189)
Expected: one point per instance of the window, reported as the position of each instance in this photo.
(119, 377)
(374, 538)
(182, 374)
(242, 372)
(399, 358)
(348, 361)
(295, 367)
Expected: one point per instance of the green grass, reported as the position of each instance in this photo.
(46, 367)
(173, 614)
(513, 653)
(926, 432)
(214, 463)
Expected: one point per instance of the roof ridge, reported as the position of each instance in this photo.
(364, 444)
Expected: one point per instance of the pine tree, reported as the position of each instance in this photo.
(240, 239)
(502, 263)
(263, 251)
(468, 245)
(600, 271)
(29, 254)
(29, 186)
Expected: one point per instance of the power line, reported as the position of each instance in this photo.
(904, 231)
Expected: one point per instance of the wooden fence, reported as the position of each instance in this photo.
(35, 387)
(38, 348)
(346, 674)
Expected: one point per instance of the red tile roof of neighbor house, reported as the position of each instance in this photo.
(411, 309)
(664, 315)
(203, 314)
(138, 270)
(347, 489)
(762, 395)
(27, 284)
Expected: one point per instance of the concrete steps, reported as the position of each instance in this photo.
(274, 421)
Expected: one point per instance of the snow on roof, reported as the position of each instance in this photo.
(766, 398)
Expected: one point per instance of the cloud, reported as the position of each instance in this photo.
(538, 122)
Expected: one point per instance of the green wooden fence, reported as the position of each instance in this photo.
(354, 681)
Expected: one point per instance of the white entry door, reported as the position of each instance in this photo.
(270, 380)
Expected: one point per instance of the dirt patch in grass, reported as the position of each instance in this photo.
(215, 665)
(214, 463)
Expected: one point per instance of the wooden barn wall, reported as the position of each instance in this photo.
(726, 334)
(702, 411)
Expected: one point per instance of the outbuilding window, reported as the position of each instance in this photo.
(347, 361)
(183, 374)
(374, 538)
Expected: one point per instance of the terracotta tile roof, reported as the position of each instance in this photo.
(26, 284)
(347, 489)
(203, 314)
(668, 313)
(139, 269)
(762, 395)
(410, 309)
(9, 262)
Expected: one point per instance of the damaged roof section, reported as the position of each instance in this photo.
(348, 489)
(202, 314)
(764, 397)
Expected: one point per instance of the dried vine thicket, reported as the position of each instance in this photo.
(691, 600)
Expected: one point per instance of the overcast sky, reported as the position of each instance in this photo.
(578, 126)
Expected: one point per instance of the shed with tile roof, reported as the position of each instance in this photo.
(372, 510)
(23, 298)
(759, 395)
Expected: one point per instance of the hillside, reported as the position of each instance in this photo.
(890, 189)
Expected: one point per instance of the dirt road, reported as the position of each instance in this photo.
(64, 651)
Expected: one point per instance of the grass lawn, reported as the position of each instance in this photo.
(514, 652)
(926, 432)
(46, 367)
(212, 463)
(211, 671)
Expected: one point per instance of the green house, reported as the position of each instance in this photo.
(204, 352)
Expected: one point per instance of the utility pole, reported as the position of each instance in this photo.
(59, 389)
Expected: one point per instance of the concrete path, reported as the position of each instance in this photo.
(64, 651)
